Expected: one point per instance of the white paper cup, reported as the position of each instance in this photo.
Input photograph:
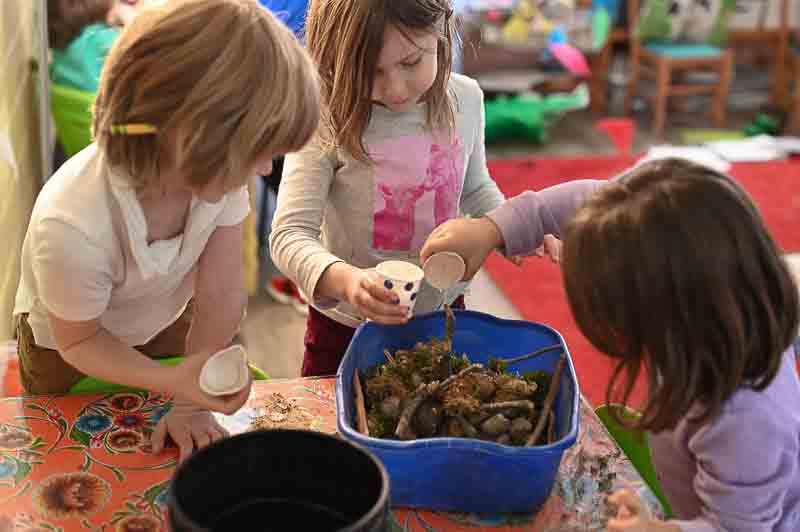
(444, 270)
(402, 278)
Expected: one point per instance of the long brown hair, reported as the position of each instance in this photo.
(672, 267)
(345, 38)
(222, 80)
(67, 18)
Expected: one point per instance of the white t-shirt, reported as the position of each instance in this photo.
(86, 256)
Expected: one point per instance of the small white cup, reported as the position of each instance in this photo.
(402, 278)
(444, 270)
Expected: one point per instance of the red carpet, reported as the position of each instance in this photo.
(536, 290)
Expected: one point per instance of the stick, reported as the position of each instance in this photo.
(361, 411)
(521, 405)
(535, 354)
(403, 430)
(548, 403)
(551, 428)
(449, 326)
(388, 355)
(453, 378)
(466, 426)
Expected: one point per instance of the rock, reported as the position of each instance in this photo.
(390, 407)
(520, 427)
(496, 425)
(427, 419)
(503, 439)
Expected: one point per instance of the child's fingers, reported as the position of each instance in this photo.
(552, 247)
(158, 437)
(373, 285)
(628, 500)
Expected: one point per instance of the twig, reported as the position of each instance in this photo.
(551, 427)
(388, 356)
(403, 430)
(437, 387)
(469, 430)
(449, 326)
(361, 411)
(520, 405)
(535, 354)
(548, 403)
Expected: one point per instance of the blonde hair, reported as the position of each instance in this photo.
(345, 38)
(222, 81)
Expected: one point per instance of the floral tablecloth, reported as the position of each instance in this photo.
(84, 463)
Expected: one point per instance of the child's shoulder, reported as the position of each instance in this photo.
(464, 86)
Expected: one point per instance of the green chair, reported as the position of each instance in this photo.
(636, 448)
(72, 114)
(91, 385)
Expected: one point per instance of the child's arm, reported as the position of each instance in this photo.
(746, 464)
(518, 226)
(295, 241)
(220, 296)
(480, 194)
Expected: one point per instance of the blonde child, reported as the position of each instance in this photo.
(400, 150)
(134, 248)
(671, 268)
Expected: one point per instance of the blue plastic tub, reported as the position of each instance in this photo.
(457, 474)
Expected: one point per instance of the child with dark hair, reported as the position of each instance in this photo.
(671, 268)
(81, 34)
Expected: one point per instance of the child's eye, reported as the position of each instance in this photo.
(413, 63)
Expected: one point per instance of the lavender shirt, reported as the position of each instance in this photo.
(739, 473)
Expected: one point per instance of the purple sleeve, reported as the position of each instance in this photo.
(746, 465)
(525, 219)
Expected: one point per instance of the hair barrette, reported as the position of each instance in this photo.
(133, 129)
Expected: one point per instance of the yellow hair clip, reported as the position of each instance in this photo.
(133, 129)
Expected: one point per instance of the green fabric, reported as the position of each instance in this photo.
(72, 115)
(90, 385)
(685, 21)
(636, 448)
(526, 118)
(80, 63)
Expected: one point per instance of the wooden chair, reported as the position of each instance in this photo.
(793, 123)
(665, 62)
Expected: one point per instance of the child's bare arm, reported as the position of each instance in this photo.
(220, 295)
(96, 352)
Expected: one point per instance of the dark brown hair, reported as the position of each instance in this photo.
(345, 38)
(67, 18)
(672, 267)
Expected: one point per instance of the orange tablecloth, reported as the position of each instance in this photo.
(83, 463)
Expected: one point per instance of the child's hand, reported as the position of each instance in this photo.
(186, 387)
(632, 516)
(472, 238)
(365, 291)
(550, 247)
(189, 427)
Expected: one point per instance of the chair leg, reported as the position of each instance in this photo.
(598, 82)
(720, 104)
(633, 79)
(663, 75)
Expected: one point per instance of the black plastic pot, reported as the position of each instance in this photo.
(280, 480)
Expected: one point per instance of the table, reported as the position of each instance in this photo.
(84, 463)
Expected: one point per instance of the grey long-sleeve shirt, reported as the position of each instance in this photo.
(334, 208)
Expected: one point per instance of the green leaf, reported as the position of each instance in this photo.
(151, 494)
(34, 406)
(81, 437)
(23, 468)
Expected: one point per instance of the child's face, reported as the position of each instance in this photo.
(216, 189)
(406, 68)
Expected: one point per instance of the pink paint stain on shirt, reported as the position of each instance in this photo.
(417, 186)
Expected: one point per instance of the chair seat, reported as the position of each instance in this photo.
(683, 51)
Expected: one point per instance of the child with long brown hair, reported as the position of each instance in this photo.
(399, 151)
(134, 248)
(670, 269)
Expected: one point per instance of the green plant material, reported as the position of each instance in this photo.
(429, 391)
